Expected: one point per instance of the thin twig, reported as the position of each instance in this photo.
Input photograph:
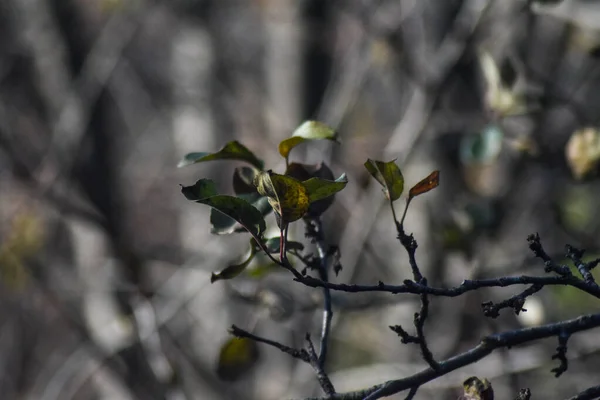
(315, 362)
(324, 275)
(300, 354)
(487, 345)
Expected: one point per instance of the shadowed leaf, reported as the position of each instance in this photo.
(231, 151)
(237, 357)
(319, 189)
(286, 195)
(431, 182)
(204, 192)
(221, 224)
(309, 130)
(242, 180)
(388, 175)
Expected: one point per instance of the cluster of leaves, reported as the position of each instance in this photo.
(301, 192)
(305, 192)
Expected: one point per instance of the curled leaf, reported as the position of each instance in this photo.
(286, 195)
(236, 358)
(431, 182)
(231, 271)
(309, 130)
(233, 150)
(388, 175)
(204, 192)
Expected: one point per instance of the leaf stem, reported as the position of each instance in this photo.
(405, 210)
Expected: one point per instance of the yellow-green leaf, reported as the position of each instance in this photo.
(388, 175)
(233, 150)
(287, 196)
(304, 172)
(237, 357)
(231, 271)
(309, 130)
(431, 182)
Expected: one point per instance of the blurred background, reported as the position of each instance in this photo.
(105, 267)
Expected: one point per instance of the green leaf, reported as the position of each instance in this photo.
(309, 130)
(231, 151)
(388, 175)
(319, 189)
(286, 195)
(231, 271)
(236, 358)
(224, 225)
(204, 192)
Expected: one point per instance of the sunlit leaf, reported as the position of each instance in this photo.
(476, 389)
(431, 182)
(388, 175)
(309, 130)
(237, 357)
(231, 151)
(583, 152)
(231, 271)
(204, 192)
(287, 196)
(304, 172)
(221, 224)
(242, 180)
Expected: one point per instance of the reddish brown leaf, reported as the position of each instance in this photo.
(431, 182)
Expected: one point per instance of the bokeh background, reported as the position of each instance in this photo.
(105, 267)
